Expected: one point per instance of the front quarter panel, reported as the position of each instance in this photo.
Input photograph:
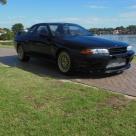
(23, 39)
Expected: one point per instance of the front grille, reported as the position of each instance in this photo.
(118, 50)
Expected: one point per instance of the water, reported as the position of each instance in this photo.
(130, 39)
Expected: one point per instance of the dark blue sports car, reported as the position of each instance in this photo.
(72, 47)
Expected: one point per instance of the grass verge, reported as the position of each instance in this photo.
(134, 60)
(6, 44)
(31, 105)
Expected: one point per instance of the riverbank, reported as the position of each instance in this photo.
(129, 30)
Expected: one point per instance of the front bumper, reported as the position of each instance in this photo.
(99, 63)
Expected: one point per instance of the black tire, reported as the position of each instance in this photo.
(64, 63)
(22, 55)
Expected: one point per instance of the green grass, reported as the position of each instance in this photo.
(134, 60)
(6, 44)
(31, 105)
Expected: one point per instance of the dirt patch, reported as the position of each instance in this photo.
(36, 105)
(115, 102)
(29, 97)
(39, 106)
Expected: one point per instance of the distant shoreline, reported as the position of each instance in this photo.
(130, 30)
(116, 34)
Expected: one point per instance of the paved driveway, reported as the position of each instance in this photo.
(123, 83)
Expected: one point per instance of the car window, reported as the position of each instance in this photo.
(32, 29)
(55, 30)
(75, 30)
(42, 29)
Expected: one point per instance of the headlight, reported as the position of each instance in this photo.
(129, 48)
(95, 51)
(100, 51)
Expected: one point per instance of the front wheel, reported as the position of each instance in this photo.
(64, 63)
(21, 54)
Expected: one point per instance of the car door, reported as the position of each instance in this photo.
(41, 42)
(57, 34)
(27, 39)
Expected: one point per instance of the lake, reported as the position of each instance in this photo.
(130, 39)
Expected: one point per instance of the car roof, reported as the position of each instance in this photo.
(53, 24)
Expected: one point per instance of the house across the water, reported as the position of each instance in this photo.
(2, 31)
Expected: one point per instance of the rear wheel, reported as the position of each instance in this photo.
(64, 63)
(21, 54)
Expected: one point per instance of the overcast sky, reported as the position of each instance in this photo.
(88, 13)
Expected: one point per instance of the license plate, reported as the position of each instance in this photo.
(117, 63)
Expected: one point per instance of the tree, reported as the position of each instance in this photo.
(17, 28)
(7, 36)
(131, 29)
(3, 1)
(120, 28)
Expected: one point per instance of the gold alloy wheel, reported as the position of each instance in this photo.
(64, 62)
(20, 52)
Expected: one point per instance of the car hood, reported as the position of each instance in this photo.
(93, 42)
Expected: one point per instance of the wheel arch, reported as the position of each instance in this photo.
(17, 45)
(60, 50)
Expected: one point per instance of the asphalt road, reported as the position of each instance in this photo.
(124, 83)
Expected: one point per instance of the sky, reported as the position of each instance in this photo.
(88, 13)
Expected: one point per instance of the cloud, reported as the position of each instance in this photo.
(125, 19)
(96, 6)
(132, 7)
(95, 21)
(92, 21)
(70, 19)
(129, 15)
(12, 20)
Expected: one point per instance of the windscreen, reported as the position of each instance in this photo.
(75, 30)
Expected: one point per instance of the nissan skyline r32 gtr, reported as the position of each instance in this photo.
(73, 47)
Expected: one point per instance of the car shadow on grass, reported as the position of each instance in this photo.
(43, 67)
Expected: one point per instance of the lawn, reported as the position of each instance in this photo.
(31, 105)
(6, 44)
(134, 60)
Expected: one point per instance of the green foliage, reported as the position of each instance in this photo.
(7, 36)
(132, 29)
(3, 1)
(102, 30)
(122, 30)
(134, 60)
(17, 28)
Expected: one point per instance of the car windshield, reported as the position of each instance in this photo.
(75, 30)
